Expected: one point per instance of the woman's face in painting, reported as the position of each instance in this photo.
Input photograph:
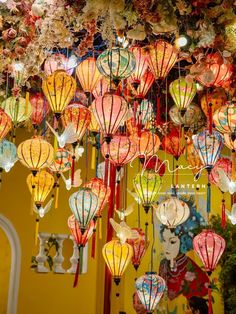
(171, 244)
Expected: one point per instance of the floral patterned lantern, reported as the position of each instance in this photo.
(147, 185)
(93, 125)
(216, 98)
(193, 158)
(5, 124)
(229, 142)
(172, 143)
(141, 58)
(110, 111)
(148, 143)
(223, 163)
(117, 256)
(150, 289)
(139, 246)
(40, 108)
(88, 74)
(146, 82)
(62, 161)
(57, 62)
(224, 119)
(8, 155)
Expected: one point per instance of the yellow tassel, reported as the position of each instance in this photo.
(55, 145)
(32, 200)
(233, 166)
(26, 103)
(93, 158)
(100, 227)
(57, 196)
(36, 231)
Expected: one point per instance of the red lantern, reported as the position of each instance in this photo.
(155, 164)
(148, 143)
(5, 124)
(40, 108)
(146, 82)
(139, 246)
(141, 59)
(172, 143)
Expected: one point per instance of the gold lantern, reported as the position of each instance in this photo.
(18, 109)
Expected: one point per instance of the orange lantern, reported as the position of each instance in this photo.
(5, 124)
(230, 142)
(172, 143)
(40, 108)
(141, 59)
(148, 143)
(139, 246)
(101, 88)
(62, 161)
(217, 98)
(146, 82)
(93, 125)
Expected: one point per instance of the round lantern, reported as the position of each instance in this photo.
(18, 109)
(224, 119)
(117, 256)
(5, 124)
(148, 143)
(84, 205)
(79, 116)
(182, 93)
(62, 161)
(101, 88)
(40, 186)
(59, 88)
(172, 212)
(193, 158)
(229, 142)
(40, 108)
(162, 57)
(93, 125)
(139, 246)
(145, 84)
(216, 98)
(101, 171)
(147, 185)
(57, 62)
(144, 112)
(141, 59)
(223, 163)
(150, 289)
(8, 155)
(88, 74)
(110, 111)
(172, 143)
(35, 153)
(116, 63)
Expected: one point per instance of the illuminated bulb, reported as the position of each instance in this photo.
(123, 41)
(181, 41)
(18, 66)
(199, 86)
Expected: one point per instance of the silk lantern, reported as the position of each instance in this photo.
(93, 125)
(224, 119)
(102, 87)
(40, 108)
(117, 256)
(145, 84)
(5, 124)
(18, 109)
(8, 155)
(193, 158)
(216, 98)
(141, 59)
(173, 144)
(139, 246)
(62, 161)
(57, 62)
(148, 143)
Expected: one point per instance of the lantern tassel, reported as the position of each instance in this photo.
(36, 231)
(72, 170)
(233, 165)
(210, 118)
(223, 217)
(208, 197)
(32, 200)
(77, 273)
(158, 117)
(106, 171)
(93, 244)
(146, 234)
(26, 103)
(118, 195)
(81, 260)
(57, 196)
(209, 300)
(177, 175)
(100, 227)
(93, 158)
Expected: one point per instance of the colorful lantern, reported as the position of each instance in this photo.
(93, 125)
(172, 143)
(150, 289)
(223, 163)
(117, 256)
(146, 82)
(57, 62)
(110, 111)
(182, 93)
(18, 109)
(116, 63)
(217, 98)
(144, 112)
(139, 246)
(193, 158)
(88, 74)
(79, 116)
(35, 153)
(229, 142)
(40, 108)
(5, 124)
(141, 59)
(59, 88)
(162, 57)
(148, 143)
(62, 161)
(8, 155)
(224, 119)
(147, 185)
(84, 205)
(101, 88)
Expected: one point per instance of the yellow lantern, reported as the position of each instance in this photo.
(93, 125)
(59, 88)
(117, 256)
(18, 109)
(35, 153)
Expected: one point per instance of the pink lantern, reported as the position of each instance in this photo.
(146, 82)
(59, 62)
(101, 88)
(223, 163)
(139, 246)
(40, 108)
(141, 58)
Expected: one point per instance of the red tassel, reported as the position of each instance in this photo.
(77, 274)
(209, 301)
(93, 244)
(73, 170)
(118, 195)
(210, 118)
(223, 217)
(106, 171)
(158, 117)
(135, 112)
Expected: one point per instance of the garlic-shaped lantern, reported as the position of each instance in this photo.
(8, 155)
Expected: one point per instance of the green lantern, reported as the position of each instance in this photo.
(147, 185)
(182, 93)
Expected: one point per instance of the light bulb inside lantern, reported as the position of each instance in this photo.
(181, 41)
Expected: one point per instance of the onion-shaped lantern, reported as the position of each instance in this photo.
(141, 59)
(229, 142)
(148, 143)
(101, 88)
(57, 62)
(145, 84)
(93, 125)
(110, 111)
(193, 158)
(5, 124)
(88, 74)
(117, 256)
(223, 163)
(182, 93)
(116, 63)
(59, 88)
(216, 98)
(62, 161)
(224, 119)
(84, 205)
(139, 246)
(147, 185)
(162, 57)
(172, 143)
(79, 116)
(35, 153)
(40, 108)
(18, 109)
(8, 155)
(150, 288)
(172, 212)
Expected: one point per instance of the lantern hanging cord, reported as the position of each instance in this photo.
(153, 241)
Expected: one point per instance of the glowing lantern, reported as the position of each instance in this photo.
(101, 88)
(84, 205)
(40, 186)
(109, 111)
(40, 108)
(139, 246)
(193, 158)
(150, 289)
(144, 113)
(172, 143)
(229, 142)
(216, 71)
(18, 109)
(117, 256)
(57, 62)
(147, 185)
(155, 164)
(172, 212)
(148, 143)
(162, 57)
(79, 116)
(62, 161)
(59, 88)
(5, 124)
(224, 119)
(101, 172)
(35, 153)
(116, 63)
(146, 82)
(217, 98)
(141, 59)
(93, 125)
(120, 151)
(88, 74)
(182, 93)
(8, 155)
(224, 164)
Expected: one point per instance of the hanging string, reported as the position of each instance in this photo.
(153, 241)
(223, 217)
(98, 154)
(36, 231)
(146, 234)
(32, 200)
(210, 118)
(81, 259)
(86, 157)
(100, 227)
(73, 164)
(93, 243)
(208, 197)
(57, 191)
(107, 163)
(118, 195)
(233, 165)
(77, 272)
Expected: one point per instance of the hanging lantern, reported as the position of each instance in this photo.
(62, 161)
(88, 74)
(193, 158)
(147, 185)
(116, 63)
(224, 119)
(40, 108)
(229, 142)
(8, 155)
(141, 59)
(57, 62)
(109, 111)
(172, 212)
(120, 151)
(146, 82)
(5, 124)
(162, 57)
(84, 205)
(101, 172)
(35, 153)
(93, 125)
(155, 164)
(173, 144)
(59, 88)
(102, 87)
(18, 109)
(216, 71)
(182, 93)
(148, 143)
(217, 98)
(150, 289)
(223, 163)
(79, 116)
(117, 256)
(139, 246)
(144, 112)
